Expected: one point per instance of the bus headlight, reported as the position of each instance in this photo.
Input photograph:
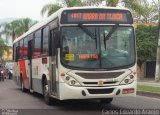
(71, 81)
(67, 78)
(129, 79)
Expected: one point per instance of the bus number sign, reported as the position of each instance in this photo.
(96, 17)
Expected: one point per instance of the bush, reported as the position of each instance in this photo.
(147, 40)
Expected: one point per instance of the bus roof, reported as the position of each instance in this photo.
(57, 14)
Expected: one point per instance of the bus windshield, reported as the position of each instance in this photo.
(80, 50)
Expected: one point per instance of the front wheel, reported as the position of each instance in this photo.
(47, 98)
(106, 101)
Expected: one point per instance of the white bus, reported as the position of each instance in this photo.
(79, 53)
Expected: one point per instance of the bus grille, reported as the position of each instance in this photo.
(100, 91)
(96, 83)
(99, 75)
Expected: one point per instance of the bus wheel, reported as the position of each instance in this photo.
(106, 101)
(47, 98)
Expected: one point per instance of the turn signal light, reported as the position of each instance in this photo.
(62, 74)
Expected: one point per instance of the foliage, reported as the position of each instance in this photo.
(146, 42)
(134, 5)
(143, 10)
(72, 3)
(150, 12)
(9, 29)
(2, 48)
(51, 8)
(98, 2)
(25, 24)
(16, 27)
(112, 3)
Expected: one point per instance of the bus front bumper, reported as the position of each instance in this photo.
(73, 92)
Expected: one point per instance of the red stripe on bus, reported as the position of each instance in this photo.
(23, 72)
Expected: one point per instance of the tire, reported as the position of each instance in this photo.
(46, 95)
(106, 101)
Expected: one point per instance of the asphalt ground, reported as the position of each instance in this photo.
(14, 101)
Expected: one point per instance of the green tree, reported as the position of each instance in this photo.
(146, 43)
(149, 11)
(51, 8)
(134, 5)
(2, 48)
(10, 29)
(143, 10)
(91, 2)
(112, 3)
(25, 24)
(16, 28)
(72, 3)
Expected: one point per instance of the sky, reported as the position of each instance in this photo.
(22, 8)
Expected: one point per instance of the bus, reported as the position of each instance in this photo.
(78, 53)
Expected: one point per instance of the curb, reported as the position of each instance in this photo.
(148, 94)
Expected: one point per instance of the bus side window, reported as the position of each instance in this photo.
(17, 53)
(25, 48)
(37, 43)
(30, 49)
(45, 41)
(21, 49)
(53, 41)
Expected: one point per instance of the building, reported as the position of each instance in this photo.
(7, 54)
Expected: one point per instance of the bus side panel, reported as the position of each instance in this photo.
(16, 73)
(38, 70)
(36, 80)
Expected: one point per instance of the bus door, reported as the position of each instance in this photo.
(53, 62)
(30, 50)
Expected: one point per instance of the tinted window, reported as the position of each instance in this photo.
(21, 49)
(45, 40)
(15, 51)
(37, 43)
(25, 49)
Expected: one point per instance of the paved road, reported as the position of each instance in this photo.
(13, 99)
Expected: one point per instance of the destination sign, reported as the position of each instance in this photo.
(96, 16)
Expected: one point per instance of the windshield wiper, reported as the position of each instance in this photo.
(88, 32)
(114, 28)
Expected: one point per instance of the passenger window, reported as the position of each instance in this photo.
(37, 44)
(21, 50)
(45, 40)
(25, 49)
